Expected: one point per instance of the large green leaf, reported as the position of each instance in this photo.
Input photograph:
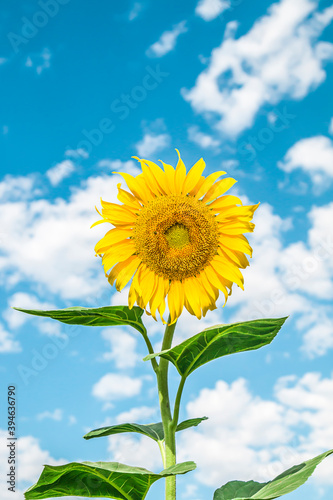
(218, 341)
(154, 431)
(100, 316)
(99, 479)
(285, 483)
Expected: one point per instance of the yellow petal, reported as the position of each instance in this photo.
(228, 271)
(127, 198)
(238, 243)
(180, 175)
(123, 272)
(236, 227)
(192, 301)
(216, 280)
(117, 253)
(169, 176)
(193, 176)
(175, 300)
(245, 213)
(208, 183)
(225, 201)
(237, 258)
(218, 189)
(138, 188)
(159, 175)
(111, 238)
(158, 296)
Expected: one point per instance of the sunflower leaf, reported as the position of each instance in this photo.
(99, 480)
(154, 431)
(218, 341)
(89, 316)
(285, 483)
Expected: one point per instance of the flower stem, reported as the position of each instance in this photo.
(169, 431)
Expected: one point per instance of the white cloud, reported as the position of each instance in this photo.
(77, 153)
(60, 171)
(262, 437)
(137, 414)
(72, 420)
(205, 141)
(24, 300)
(3, 60)
(113, 386)
(50, 244)
(210, 9)
(167, 41)
(135, 11)
(7, 342)
(30, 457)
(279, 57)
(140, 452)
(18, 188)
(296, 279)
(57, 415)
(128, 166)
(330, 129)
(39, 61)
(123, 348)
(150, 144)
(313, 155)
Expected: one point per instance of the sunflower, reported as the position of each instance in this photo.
(178, 235)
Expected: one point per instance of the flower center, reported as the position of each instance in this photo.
(176, 236)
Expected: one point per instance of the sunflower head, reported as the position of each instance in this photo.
(178, 235)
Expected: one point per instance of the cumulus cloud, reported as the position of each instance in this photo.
(39, 61)
(205, 141)
(114, 386)
(137, 414)
(60, 171)
(135, 11)
(210, 9)
(263, 436)
(279, 57)
(49, 243)
(330, 129)
(7, 342)
(154, 139)
(123, 347)
(18, 188)
(31, 458)
(24, 300)
(313, 156)
(167, 41)
(296, 279)
(77, 153)
(151, 144)
(57, 415)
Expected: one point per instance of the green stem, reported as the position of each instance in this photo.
(151, 351)
(169, 431)
(177, 404)
(162, 450)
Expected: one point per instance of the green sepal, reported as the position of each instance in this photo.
(99, 480)
(218, 341)
(154, 431)
(91, 316)
(286, 482)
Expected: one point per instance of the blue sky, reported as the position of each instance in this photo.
(247, 86)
